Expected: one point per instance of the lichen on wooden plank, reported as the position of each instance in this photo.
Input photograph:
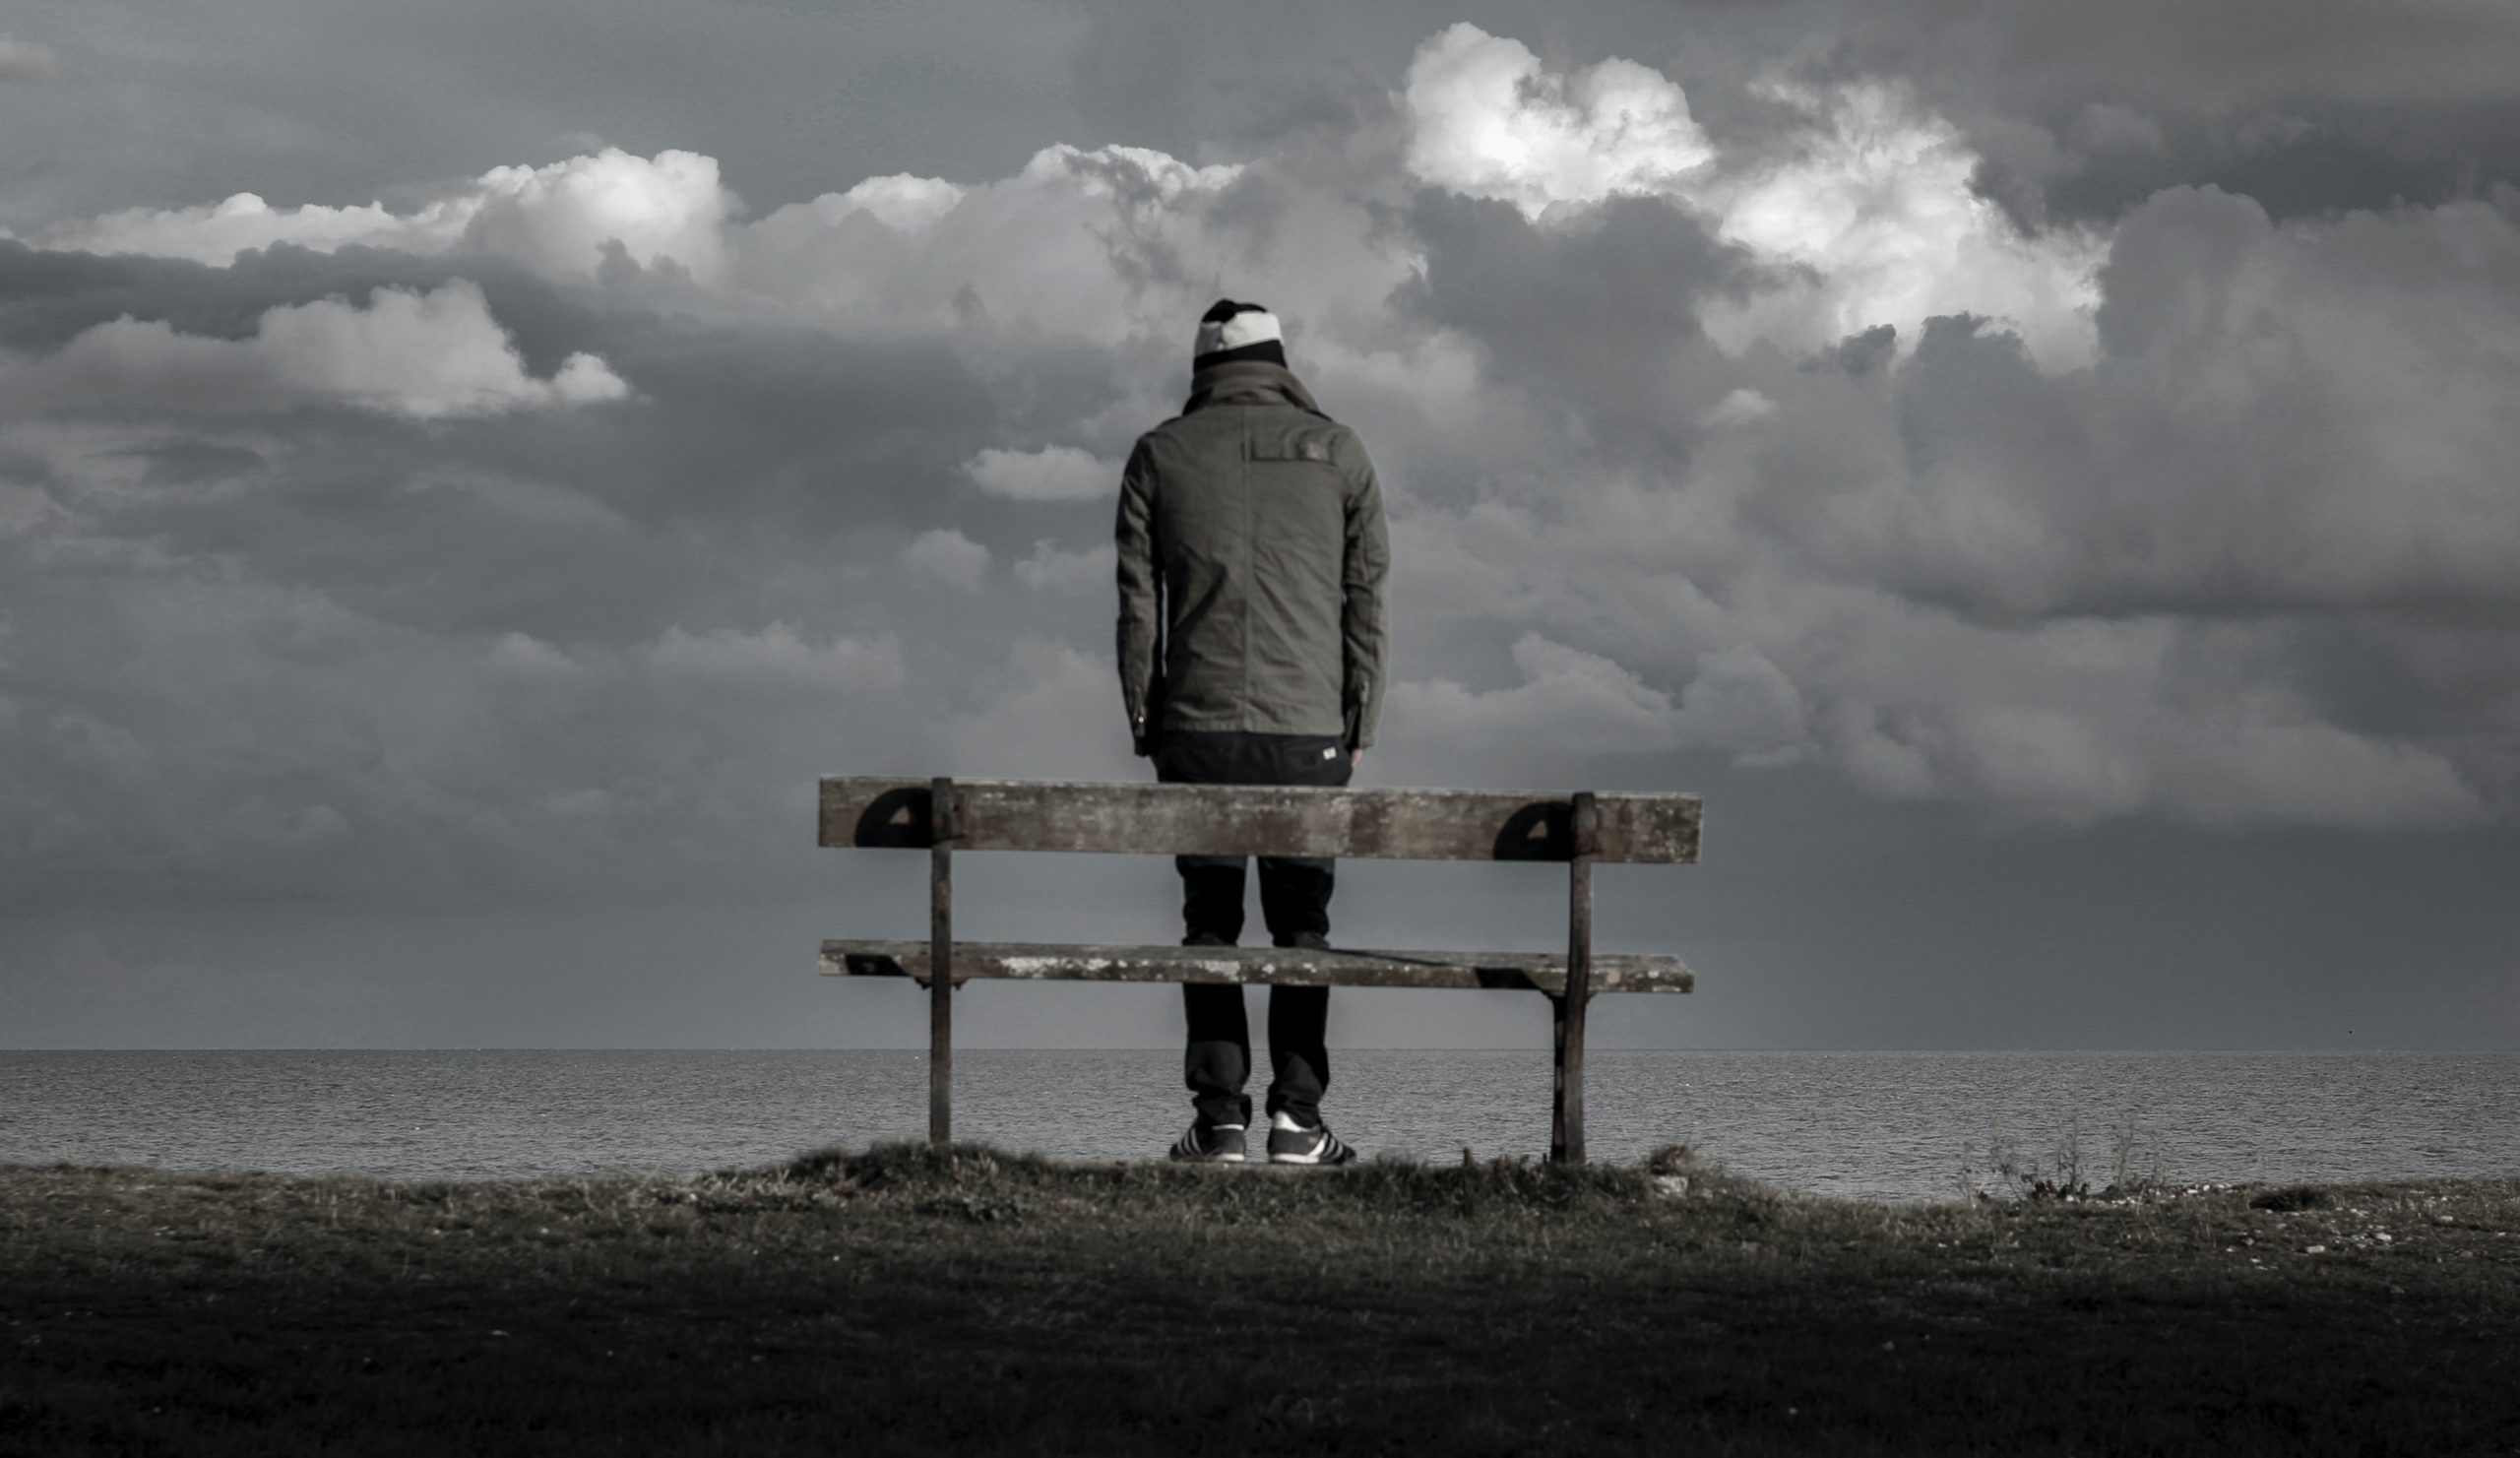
(1612, 972)
(1259, 820)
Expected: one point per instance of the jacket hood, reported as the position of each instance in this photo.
(1248, 382)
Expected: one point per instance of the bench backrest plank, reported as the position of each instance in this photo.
(1258, 820)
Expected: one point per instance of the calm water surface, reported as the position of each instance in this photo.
(1884, 1124)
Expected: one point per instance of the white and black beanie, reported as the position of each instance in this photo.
(1229, 332)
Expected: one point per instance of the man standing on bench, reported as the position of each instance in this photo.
(1252, 560)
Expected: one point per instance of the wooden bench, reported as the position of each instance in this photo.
(941, 816)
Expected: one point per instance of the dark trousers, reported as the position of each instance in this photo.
(1295, 902)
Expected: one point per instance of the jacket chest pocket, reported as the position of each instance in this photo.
(1291, 447)
(1297, 464)
(1299, 502)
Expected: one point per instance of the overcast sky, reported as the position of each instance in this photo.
(2044, 470)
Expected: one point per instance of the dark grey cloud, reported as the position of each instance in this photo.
(1598, 317)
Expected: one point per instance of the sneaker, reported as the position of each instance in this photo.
(1215, 1144)
(1292, 1143)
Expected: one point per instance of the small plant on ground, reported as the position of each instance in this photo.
(2064, 1175)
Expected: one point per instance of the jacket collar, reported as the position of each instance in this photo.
(1248, 382)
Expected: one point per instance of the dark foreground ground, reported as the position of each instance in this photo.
(899, 1302)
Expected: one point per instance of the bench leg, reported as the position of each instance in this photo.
(1566, 1098)
(1566, 1109)
(1566, 1103)
(941, 964)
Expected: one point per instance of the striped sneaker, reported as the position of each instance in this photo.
(1213, 1144)
(1292, 1143)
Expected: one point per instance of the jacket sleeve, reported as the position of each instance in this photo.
(1141, 579)
(1362, 629)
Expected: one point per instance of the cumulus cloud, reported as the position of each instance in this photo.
(1050, 473)
(27, 62)
(1875, 204)
(1573, 702)
(949, 556)
(1489, 120)
(901, 202)
(667, 211)
(1570, 701)
(1078, 245)
(1868, 207)
(1769, 442)
(2286, 418)
(422, 356)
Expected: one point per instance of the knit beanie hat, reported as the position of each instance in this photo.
(1230, 332)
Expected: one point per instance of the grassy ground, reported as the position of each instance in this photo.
(903, 1301)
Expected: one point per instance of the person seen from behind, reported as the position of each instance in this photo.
(1252, 561)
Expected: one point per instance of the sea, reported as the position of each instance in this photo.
(1878, 1125)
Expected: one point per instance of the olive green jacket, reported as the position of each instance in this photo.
(1252, 564)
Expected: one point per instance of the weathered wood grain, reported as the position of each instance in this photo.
(1259, 820)
(1542, 972)
(1566, 1101)
(942, 805)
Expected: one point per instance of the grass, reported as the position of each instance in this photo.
(902, 1301)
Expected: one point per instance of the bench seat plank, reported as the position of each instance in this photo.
(1612, 972)
(1259, 820)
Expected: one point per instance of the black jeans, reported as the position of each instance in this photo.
(1295, 902)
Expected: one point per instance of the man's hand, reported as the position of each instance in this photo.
(1355, 755)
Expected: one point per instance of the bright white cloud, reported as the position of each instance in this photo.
(1876, 203)
(422, 356)
(950, 557)
(1097, 246)
(1050, 473)
(1869, 211)
(667, 211)
(1870, 206)
(901, 201)
(1486, 119)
